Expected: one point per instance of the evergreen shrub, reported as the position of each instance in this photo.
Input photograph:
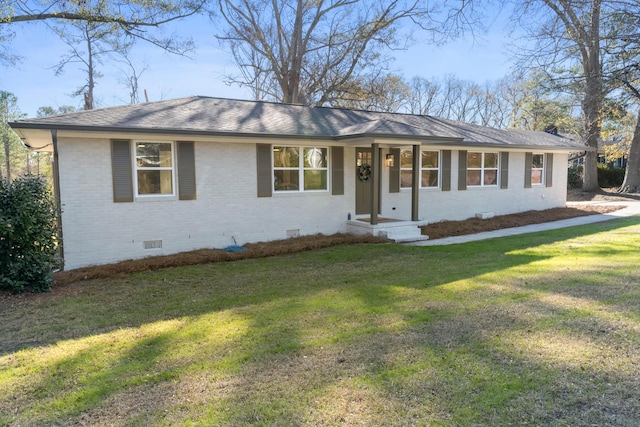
(28, 230)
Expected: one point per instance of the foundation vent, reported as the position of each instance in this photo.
(152, 244)
(293, 233)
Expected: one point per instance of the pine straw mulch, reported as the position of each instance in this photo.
(306, 243)
(204, 256)
(439, 230)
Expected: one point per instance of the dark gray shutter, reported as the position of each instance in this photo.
(337, 171)
(265, 174)
(394, 171)
(462, 170)
(528, 161)
(186, 170)
(548, 170)
(121, 170)
(504, 169)
(446, 170)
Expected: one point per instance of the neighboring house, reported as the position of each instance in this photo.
(199, 172)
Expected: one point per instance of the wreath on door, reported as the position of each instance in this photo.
(364, 172)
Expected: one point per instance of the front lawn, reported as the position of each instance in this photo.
(538, 329)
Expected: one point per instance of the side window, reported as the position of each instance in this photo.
(300, 168)
(154, 168)
(429, 169)
(537, 169)
(482, 169)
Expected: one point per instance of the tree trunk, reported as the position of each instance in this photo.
(631, 183)
(88, 95)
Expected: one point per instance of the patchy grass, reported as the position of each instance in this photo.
(539, 329)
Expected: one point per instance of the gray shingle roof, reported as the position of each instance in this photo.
(216, 116)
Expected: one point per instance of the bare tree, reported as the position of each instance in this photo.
(624, 49)
(311, 52)
(568, 38)
(133, 17)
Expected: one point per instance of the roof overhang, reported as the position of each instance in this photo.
(37, 137)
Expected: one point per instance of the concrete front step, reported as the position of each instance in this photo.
(398, 231)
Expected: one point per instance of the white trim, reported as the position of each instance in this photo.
(439, 169)
(154, 197)
(543, 170)
(301, 169)
(482, 169)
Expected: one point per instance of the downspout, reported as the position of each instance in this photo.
(56, 195)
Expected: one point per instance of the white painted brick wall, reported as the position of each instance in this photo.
(437, 205)
(227, 209)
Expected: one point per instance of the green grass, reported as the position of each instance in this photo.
(538, 329)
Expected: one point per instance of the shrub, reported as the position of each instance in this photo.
(610, 177)
(574, 179)
(27, 235)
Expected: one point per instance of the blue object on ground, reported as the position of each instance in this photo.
(235, 248)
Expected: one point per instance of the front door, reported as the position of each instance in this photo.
(364, 183)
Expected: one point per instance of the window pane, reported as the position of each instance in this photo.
(429, 178)
(491, 160)
(429, 159)
(536, 176)
(473, 177)
(286, 157)
(406, 179)
(286, 180)
(153, 154)
(474, 160)
(490, 177)
(315, 158)
(406, 159)
(538, 161)
(154, 182)
(315, 180)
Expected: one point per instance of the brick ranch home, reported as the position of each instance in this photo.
(200, 172)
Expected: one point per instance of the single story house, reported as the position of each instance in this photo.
(200, 172)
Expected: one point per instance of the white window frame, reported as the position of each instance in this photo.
(301, 168)
(542, 169)
(483, 169)
(137, 168)
(438, 169)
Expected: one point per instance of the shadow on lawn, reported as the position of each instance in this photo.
(409, 363)
(130, 301)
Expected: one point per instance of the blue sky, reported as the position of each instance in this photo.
(35, 84)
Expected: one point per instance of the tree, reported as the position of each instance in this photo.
(374, 93)
(14, 154)
(133, 17)
(568, 44)
(314, 52)
(624, 48)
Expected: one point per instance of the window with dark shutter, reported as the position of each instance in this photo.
(446, 170)
(264, 170)
(337, 171)
(504, 170)
(121, 170)
(528, 162)
(186, 170)
(549, 170)
(462, 170)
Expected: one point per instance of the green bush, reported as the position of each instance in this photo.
(610, 177)
(27, 235)
(574, 179)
